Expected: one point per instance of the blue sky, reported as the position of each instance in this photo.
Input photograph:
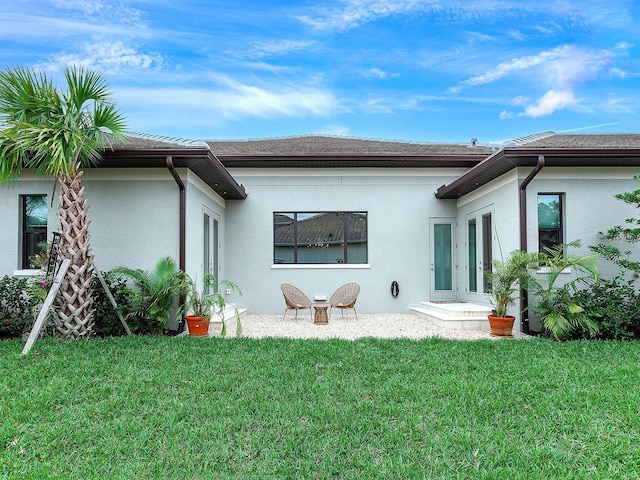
(415, 70)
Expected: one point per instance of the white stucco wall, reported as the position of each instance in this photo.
(589, 207)
(201, 198)
(10, 249)
(398, 203)
(134, 216)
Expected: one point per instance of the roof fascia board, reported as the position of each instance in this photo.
(191, 158)
(495, 184)
(509, 158)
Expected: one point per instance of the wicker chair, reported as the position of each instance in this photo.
(295, 299)
(345, 297)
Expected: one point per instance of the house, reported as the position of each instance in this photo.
(321, 211)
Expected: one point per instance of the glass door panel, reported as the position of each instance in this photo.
(442, 272)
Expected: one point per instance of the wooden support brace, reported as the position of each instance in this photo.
(111, 299)
(44, 311)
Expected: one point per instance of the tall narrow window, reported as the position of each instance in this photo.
(443, 263)
(549, 220)
(487, 250)
(34, 228)
(319, 237)
(473, 257)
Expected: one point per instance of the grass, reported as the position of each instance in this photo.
(157, 407)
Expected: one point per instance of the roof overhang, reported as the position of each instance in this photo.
(200, 161)
(349, 161)
(509, 158)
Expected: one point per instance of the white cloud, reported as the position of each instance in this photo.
(560, 70)
(231, 99)
(109, 57)
(618, 73)
(353, 13)
(379, 74)
(520, 100)
(336, 130)
(550, 102)
(277, 47)
(564, 66)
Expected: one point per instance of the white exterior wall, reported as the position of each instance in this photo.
(201, 198)
(134, 215)
(500, 199)
(589, 207)
(10, 249)
(398, 203)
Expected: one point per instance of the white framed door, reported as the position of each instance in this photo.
(210, 243)
(479, 253)
(442, 267)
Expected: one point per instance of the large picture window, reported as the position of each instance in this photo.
(549, 221)
(319, 237)
(34, 227)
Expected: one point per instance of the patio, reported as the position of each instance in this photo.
(379, 325)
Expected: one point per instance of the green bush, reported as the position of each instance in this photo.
(17, 307)
(107, 323)
(614, 305)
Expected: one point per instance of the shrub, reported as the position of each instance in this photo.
(154, 294)
(107, 323)
(614, 305)
(17, 307)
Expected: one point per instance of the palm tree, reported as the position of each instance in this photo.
(57, 133)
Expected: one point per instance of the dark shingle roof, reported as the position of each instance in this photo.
(557, 150)
(330, 145)
(561, 140)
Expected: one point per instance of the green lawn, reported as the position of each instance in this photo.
(158, 407)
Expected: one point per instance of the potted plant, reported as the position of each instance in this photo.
(506, 279)
(203, 305)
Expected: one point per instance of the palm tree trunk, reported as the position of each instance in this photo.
(74, 316)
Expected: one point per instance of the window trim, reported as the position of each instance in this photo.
(345, 234)
(25, 232)
(560, 229)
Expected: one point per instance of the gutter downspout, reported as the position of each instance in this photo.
(524, 298)
(183, 229)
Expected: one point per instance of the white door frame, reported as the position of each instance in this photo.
(478, 260)
(442, 264)
(210, 242)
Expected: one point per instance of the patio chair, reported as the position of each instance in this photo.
(295, 299)
(345, 297)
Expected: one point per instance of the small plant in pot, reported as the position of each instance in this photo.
(506, 279)
(203, 305)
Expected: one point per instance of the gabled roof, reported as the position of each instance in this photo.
(151, 152)
(559, 150)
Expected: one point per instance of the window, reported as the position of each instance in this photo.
(319, 237)
(34, 227)
(549, 221)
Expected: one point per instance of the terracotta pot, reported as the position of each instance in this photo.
(501, 326)
(198, 326)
